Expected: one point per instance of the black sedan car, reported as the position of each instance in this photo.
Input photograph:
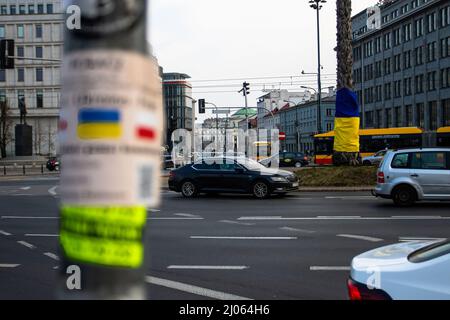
(293, 159)
(231, 175)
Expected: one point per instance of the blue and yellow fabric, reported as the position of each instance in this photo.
(99, 124)
(347, 122)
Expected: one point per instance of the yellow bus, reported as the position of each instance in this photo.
(371, 140)
(443, 137)
(263, 150)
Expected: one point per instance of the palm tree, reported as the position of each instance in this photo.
(344, 52)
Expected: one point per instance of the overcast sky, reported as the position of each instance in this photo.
(216, 39)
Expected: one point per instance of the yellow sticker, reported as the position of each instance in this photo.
(110, 236)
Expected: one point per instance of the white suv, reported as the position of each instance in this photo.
(407, 176)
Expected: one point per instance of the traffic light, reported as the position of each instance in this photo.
(201, 106)
(247, 88)
(6, 51)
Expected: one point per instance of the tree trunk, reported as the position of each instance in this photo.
(344, 52)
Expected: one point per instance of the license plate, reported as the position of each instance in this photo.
(295, 185)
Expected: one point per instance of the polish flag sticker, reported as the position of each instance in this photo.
(146, 127)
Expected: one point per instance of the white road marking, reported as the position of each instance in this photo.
(25, 188)
(236, 222)
(415, 217)
(186, 215)
(23, 217)
(296, 230)
(193, 289)
(154, 210)
(329, 268)
(208, 267)
(41, 235)
(293, 198)
(51, 256)
(4, 233)
(352, 236)
(5, 265)
(52, 190)
(243, 238)
(352, 198)
(338, 218)
(411, 239)
(26, 244)
(170, 218)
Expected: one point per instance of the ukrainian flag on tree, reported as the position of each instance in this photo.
(347, 122)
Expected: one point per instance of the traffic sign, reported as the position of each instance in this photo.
(282, 136)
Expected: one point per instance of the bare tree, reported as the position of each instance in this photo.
(5, 126)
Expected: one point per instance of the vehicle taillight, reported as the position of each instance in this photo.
(171, 174)
(381, 177)
(359, 292)
(305, 158)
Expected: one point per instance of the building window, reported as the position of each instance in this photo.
(419, 83)
(12, 9)
(414, 4)
(418, 55)
(2, 75)
(40, 8)
(431, 51)
(431, 22)
(445, 16)
(409, 116)
(407, 86)
(387, 66)
(387, 41)
(418, 27)
(22, 9)
(397, 89)
(398, 117)
(20, 74)
(420, 110)
(431, 81)
(396, 36)
(407, 59)
(445, 78)
(369, 118)
(397, 63)
(39, 74)
(20, 51)
(39, 99)
(49, 8)
(445, 47)
(3, 10)
(387, 91)
(2, 31)
(39, 52)
(39, 31)
(407, 34)
(388, 117)
(31, 9)
(20, 31)
(432, 115)
(446, 112)
(378, 118)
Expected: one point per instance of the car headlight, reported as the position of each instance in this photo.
(279, 179)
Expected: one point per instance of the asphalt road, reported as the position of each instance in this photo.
(228, 247)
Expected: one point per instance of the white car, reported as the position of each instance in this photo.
(375, 159)
(416, 270)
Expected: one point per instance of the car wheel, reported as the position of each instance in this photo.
(404, 196)
(298, 165)
(367, 163)
(261, 190)
(188, 189)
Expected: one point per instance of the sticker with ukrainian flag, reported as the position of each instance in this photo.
(347, 122)
(99, 123)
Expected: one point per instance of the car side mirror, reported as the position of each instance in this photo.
(239, 170)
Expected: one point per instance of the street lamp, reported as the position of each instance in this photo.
(317, 5)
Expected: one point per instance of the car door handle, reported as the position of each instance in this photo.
(415, 175)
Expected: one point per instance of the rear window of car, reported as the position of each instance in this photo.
(400, 161)
(431, 252)
(429, 160)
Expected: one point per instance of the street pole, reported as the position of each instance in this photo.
(319, 73)
(110, 140)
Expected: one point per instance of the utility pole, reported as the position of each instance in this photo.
(246, 91)
(317, 5)
(110, 136)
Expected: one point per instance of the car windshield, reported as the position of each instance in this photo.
(251, 164)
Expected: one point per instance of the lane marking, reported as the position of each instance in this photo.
(329, 268)
(186, 215)
(415, 217)
(51, 256)
(41, 235)
(6, 265)
(352, 198)
(366, 238)
(154, 210)
(243, 238)
(26, 244)
(4, 233)
(412, 239)
(52, 190)
(236, 222)
(170, 218)
(24, 217)
(208, 267)
(338, 218)
(25, 188)
(293, 198)
(193, 289)
(296, 230)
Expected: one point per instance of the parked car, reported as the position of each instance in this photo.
(416, 270)
(231, 175)
(407, 176)
(374, 160)
(53, 164)
(293, 159)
